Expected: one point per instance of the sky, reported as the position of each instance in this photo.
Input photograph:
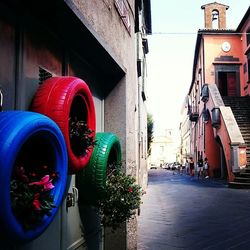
(171, 52)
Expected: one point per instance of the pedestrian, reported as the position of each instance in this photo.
(206, 166)
(191, 166)
(200, 167)
(187, 167)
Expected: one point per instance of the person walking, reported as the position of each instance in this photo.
(206, 166)
(191, 166)
(200, 168)
(187, 167)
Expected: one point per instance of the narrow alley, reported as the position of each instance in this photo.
(180, 212)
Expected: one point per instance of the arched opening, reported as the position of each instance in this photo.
(222, 171)
(211, 147)
(215, 19)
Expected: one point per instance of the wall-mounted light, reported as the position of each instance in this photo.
(205, 93)
(216, 122)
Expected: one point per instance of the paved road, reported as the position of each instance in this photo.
(183, 213)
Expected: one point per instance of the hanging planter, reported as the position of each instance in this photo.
(103, 185)
(91, 180)
(68, 101)
(33, 174)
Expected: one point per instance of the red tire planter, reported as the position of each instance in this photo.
(45, 143)
(60, 98)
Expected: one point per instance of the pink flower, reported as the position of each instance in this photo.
(45, 182)
(36, 203)
(130, 190)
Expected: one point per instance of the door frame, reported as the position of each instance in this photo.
(228, 68)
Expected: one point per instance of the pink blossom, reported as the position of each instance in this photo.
(45, 182)
(36, 203)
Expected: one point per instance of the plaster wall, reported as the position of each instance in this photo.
(212, 149)
(121, 109)
(213, 49)
(103, 18)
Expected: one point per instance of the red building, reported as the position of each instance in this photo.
(218, 98)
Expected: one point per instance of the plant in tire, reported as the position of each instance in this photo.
(121, 199)
(82, 138)
(31, 197)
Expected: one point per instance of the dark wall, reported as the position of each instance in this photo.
(7, 59)
(33, 37)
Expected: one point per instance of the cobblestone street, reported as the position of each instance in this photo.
(180, 212)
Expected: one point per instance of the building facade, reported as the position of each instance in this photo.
(164, 149)
(105, 44)
(218, 98)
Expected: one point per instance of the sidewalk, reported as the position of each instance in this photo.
(181, 212)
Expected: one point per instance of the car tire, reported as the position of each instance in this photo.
(91, 180)
(57, 98)
(17, 128)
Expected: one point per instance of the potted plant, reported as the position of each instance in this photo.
(121, 198)
(31, 196)
(81, 136)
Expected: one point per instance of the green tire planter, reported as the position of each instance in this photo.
(91, 181)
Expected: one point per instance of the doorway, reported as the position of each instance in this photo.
(227, 83)
(227, 79)
(221, 172)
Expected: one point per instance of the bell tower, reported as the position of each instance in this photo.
(215, 15)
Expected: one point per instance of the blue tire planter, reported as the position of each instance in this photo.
(16, 129)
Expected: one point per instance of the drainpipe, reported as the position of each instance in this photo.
(139, 50)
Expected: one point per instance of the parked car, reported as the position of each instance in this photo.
(153, 166)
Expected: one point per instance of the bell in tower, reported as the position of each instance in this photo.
(215, 15)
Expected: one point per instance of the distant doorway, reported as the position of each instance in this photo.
(227, 83)
(227, 79)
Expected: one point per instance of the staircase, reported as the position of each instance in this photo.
(241, 110)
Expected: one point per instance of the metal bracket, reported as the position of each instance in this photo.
(72, 198)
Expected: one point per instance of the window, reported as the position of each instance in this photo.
(215, 19)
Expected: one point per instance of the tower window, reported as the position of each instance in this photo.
(215, 19)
